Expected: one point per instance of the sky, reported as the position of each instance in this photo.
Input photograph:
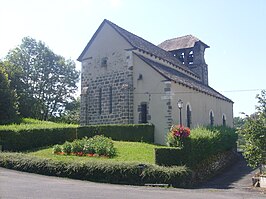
(234, 30)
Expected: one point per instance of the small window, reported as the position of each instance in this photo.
(110, 99)
(188, 116)
(143, 118)
(190, 57)
(181, 57)
(104, 62)
(211, 118)
(100, 101)
(224, 120)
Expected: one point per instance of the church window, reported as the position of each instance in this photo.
(188, 116)
(110, 99)
(104, 62)
(182, 57)
(100, 101)
(211, 118)
(224, 120)
(190, 57)
(143, 116)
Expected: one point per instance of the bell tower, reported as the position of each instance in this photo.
(190, 52)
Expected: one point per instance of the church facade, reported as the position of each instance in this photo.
(128, 80)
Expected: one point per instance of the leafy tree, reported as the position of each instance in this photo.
(254, 133)
(45, 82)
(71, 113)
(238, 122)
(8, 105)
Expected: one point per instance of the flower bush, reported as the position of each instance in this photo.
(177, 135)
(95, 146)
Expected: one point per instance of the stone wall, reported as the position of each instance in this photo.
(107, 91)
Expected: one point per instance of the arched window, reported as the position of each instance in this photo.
(188, 116)
(224, 120)
(211, 118)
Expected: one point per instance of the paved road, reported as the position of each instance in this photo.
(14, 184)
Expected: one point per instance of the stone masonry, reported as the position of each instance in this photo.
(107, 91)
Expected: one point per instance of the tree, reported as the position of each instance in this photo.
(8, 99)
(238, 122)
(71, 113)
(45, 82)
(254, 133)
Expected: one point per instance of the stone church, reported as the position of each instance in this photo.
(127, 80)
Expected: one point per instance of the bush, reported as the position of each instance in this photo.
(169, 156)
(120, 132)
(98, 144)
(103, 146)
(121, 173)
(77, 146)
(254, 134)
(29, 138)
(32, 134)
(66, 147)
(201, 144)
(57, 149)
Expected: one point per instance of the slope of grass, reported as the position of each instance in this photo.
(126, 152)
(29, 123)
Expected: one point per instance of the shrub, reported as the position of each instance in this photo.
(32, 133)
(169, 156)
(201, 144)
(120, 132)
(77, 146)
(27, 137)
(103, 146)
(98, 144)
(254, 134)
(89, 148)
(177, 135)
(57, 149)
(66, 148)
(111, 172)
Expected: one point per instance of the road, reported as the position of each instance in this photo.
(15, 184)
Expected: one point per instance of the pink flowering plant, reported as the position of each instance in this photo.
(177, 135)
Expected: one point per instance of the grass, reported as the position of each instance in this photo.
(29, 123)
(126, 152)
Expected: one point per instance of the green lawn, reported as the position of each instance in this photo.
(126, 152)
(29, 123)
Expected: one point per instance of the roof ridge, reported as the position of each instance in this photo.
(168, 56)
(111, 23)
(171, 74)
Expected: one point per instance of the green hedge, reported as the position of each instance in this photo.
(121, 173)
(34, 138)
(201, 144)
(168, 156)
(120, 132)
(30, 136)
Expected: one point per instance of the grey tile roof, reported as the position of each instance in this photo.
(183, 79)
(187, 41)
(141, 44)
(148, 47)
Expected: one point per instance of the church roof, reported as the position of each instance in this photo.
(187, 41)
(169, 73)
(141, 44)
(183, 79)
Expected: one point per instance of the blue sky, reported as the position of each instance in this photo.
(234, 30)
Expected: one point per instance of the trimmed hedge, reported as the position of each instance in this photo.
(120, 173)
(200, 145)
(214, 164)
(30, 136)
(168, 156)
(120, 132)
(34, 138)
